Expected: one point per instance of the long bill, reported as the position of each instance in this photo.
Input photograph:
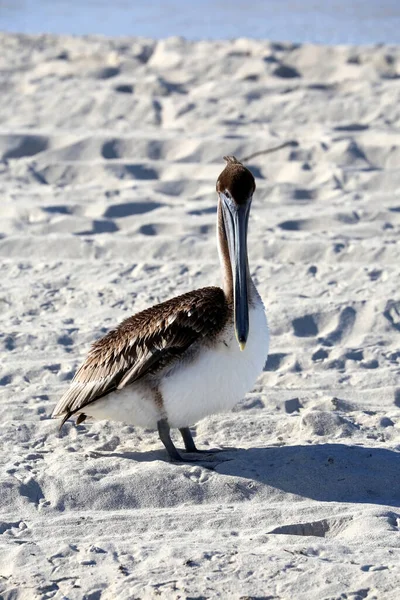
(236, 220)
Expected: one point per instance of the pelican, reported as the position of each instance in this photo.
(194, 355)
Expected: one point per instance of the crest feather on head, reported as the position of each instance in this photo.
(232, 160)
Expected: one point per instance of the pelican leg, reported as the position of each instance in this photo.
(191, 446)
(188, 440)
(164, 433)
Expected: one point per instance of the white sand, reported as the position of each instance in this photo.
(110, 152)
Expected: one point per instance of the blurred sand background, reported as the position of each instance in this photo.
(110, 149)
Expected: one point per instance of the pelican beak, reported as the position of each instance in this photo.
(236, 218)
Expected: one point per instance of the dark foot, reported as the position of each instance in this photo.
(194, 458)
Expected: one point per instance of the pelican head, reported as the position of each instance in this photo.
(235, 187)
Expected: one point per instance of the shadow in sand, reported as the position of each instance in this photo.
(324, 472)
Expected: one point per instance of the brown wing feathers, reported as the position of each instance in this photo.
(145, 343)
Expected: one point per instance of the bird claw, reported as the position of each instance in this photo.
(203, 458)
(210, 451)
(195, 457)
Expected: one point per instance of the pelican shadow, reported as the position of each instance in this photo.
(323, 472)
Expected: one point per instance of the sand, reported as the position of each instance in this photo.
(110, 149)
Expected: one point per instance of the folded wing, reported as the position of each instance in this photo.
(144, 343)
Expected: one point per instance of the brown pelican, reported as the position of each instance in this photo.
(194, 355)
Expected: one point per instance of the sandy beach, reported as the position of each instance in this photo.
(109, 153)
